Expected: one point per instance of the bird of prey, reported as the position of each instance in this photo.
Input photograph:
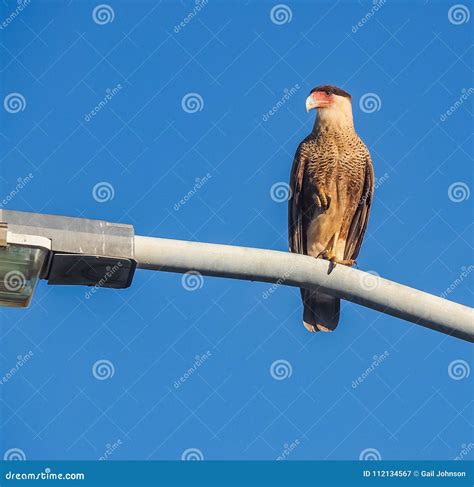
(332, 185)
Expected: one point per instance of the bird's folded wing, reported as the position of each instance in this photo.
(295, 223)
(361, 216)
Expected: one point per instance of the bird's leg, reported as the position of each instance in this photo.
(324, 254)
(349, 262)
(327, 255)
(322, 199)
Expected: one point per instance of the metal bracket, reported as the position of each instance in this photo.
(3, 234)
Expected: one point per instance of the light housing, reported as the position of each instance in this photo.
(22, 260)
(62, 250)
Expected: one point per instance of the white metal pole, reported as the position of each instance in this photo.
(302, 271)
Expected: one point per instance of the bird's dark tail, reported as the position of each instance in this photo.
(321, 311)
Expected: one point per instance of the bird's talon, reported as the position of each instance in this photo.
(322, 200)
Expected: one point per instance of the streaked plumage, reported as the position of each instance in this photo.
(332, 188)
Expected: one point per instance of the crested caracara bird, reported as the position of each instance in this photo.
(332, 183)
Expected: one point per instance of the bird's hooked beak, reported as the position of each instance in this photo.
(317, 99)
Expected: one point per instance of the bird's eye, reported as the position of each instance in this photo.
(328, 93)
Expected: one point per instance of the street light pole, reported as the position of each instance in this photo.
(80, 251)
(302, 271)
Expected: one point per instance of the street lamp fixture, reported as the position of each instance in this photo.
(80, 251)
(62, 250)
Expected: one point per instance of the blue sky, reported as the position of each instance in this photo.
(189, 103)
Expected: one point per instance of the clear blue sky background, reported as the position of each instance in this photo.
(142, 143)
